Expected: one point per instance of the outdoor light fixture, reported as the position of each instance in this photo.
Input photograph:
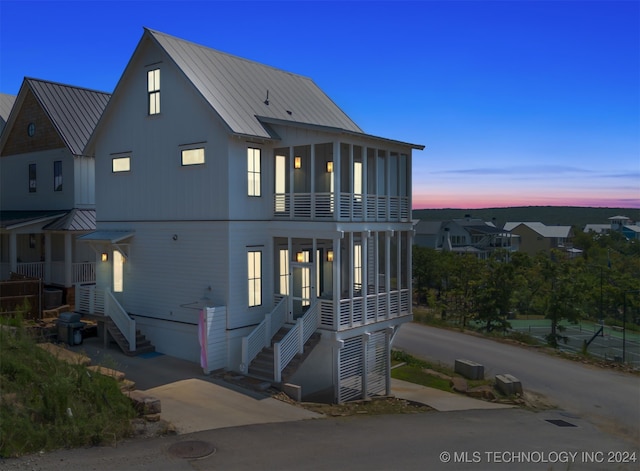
(300, 257)
(330, 167)
(330, 256)
(104, 257)
(297, 162)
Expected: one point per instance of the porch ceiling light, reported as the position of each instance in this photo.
(330, 167)
(104, 257)
(330, 256)
(300, 257)
(297, 162)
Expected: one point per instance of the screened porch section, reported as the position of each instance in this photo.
(358, 279)
(342, 182)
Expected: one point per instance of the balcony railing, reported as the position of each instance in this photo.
(81, 272)
(363, 310)
(352, 207)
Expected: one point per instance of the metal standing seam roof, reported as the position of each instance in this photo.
(238, 89)
(74, 111)
(542, 229)
(6, 103)
(75, 220)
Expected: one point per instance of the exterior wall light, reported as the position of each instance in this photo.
(104, 257)
(330, 256)
(297, 162)
(330, 167)
(300, 257)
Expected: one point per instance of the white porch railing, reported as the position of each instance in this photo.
(293, 343)
(353, 207)
(261, 336)
(89, 300)
(365, 310)
(84, 272)
(120, 318)
(31, 269)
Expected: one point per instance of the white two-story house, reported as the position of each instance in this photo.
(47, 196)
(235, 201)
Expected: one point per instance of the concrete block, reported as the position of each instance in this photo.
(293, 391)
(469, 369)
(508, 385)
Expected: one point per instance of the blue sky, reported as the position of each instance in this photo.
(517, 102)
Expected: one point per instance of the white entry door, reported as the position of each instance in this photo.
(302, 288)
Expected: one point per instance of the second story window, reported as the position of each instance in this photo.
(153, 91)
(192, 156)
(121, 164)
(32, 178)
(253, 172)
(57, 175)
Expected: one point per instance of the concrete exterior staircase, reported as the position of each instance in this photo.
(143, 345)
(262, 366)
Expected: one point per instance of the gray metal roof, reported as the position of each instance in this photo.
(74, 111)
(75, 220)
(6, 103)
(239, 89)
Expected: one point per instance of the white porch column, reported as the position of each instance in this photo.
(336, 179)
(387, 271)
(47, 257)
(68, 259)
(409, 268)
(312, 172)
(350, 279)
(337, 261)
(365, 182)
(365, 270)
(13, 252)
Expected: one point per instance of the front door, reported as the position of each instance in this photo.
(302, 288)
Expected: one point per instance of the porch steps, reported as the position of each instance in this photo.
(262, 366)
(143, 345)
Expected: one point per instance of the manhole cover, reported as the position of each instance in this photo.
(192, 449)
(560, 423)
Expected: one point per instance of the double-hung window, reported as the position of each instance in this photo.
(253, 171)
(57, 175)
(32, 178)
(153, 91)
(254, 272)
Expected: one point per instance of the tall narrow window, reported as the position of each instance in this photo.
(253, 172)
(254, 271)
(57, 175)
(357, 267)
(32, 178)
(284, 271)
(281, 183)
(153, 91)
(118, 270)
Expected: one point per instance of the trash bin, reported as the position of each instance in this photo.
(70, 328)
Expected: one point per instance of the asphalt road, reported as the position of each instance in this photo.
(607, 398)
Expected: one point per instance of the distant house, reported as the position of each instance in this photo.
(237, 204)
(465, 235)
(536, 237)
(621, 224)
(6, 103)
(47, 183)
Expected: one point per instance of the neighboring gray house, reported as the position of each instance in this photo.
(537, 237)
(6, 103)
(465, 235)
(47, 183)
(235, 200)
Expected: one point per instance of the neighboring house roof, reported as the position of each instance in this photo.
(249, 96)
(540, 228)
(484, 229)
(428, 227)
(74, 111)
(6, 103)
(75, 220)
(14, 219)
(618, 218)
(597, 228)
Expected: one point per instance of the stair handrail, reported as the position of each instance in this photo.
(293, 342)
(261, 336)
(120, 318)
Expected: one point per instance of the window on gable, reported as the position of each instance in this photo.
(32, 178)
(153, 91)
(254, 272)
(193, 156)
(57, 175)
(121, 164)
(253, 172)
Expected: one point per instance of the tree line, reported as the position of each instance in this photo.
(601, 284)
